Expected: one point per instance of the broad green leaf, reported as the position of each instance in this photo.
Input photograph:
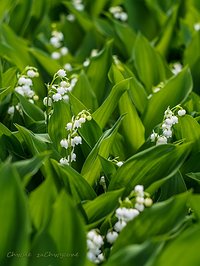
(126, 35)
(134, 254)
(174, 92)
(194, 176)
(192, 59)
(98, 69)
(183, 250)
(104, 112)
(15, 221)
(74, 183)
(67, 230)
(137, 92)
(188, 129)
(173, 186)
(102, 205)
(92, 166)
(97, 7)
(149, 64)
(49, 64)
(109, 167)
(40, 203)
(194, 203)
(13, 48)
(34, 143)
(44, 251)
(29, 167)
(165, 39)
(140, 18)
(30, 109)
(132, 127)
(164, 217)
(58, 120)
(149, 166)
(84, 92)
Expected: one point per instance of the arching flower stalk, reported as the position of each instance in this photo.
(73, 139)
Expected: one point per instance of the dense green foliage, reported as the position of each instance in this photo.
(140, 68)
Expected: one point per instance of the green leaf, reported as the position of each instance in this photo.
(92, 166)
(132, 127)
(173, 93)
(49, 64)
(149, 166)
(149, 64)
(163, 224)
(98, 69)
(183, 250)
(13, 208)
(165, 39)
(188, 129)
(29, 167)
(67, 230)
(57, 123)
(103, 113)
(102, 205)
(75, 184)
(13, 48)
(192, 59)
(30, 109)
(134, 254)
(83, 91)
(41, 200)
(44, 251)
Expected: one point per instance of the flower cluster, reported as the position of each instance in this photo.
(25, 83)
(169, 120)
(129, 209)
(73, 139)
(78, 5)
(118, 13)
(59, 88)
(94, 244)
(56, 41)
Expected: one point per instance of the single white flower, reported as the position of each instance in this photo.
(73, 157)
(11, 110)
(70, 17)
(66, 98)
(69, 126)
(68, 67)
(49, 101)
(197, 26)
(167, 133)
(111, 236)
(181, 112)
(57, 97)
(61, 73)
(161, 140)
(153, 136)
(119, 164)
(175, 119)
(119, 226)
(139, 188)
(31, 73)
(55, 55)
(64, 143)
(64, 50)
(64, 161)
(139, 207)
(86, 62)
